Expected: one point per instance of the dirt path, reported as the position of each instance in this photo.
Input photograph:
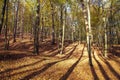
(49, 65)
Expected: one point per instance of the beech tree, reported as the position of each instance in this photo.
(86, 12)
(36, 29)
(3, 14)
(16, 8)
(6, 28)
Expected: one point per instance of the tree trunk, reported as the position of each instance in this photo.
(3, 13)
(86, 13)
(36, 29)
(41, 35)
(106, 46)
(15, 20)
(106, 37)
(22, 22)
(60, 32)
(6, 28)
(117, 33)
(89, 35)
(53, 28)
(63, 30)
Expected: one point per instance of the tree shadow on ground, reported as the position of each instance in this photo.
(106, 77)
(51, 52)
(6, 56)
(114, 59)
(20, 67)
(115, 73)
(95, 76)
(71, 52)
(94, 73)
(70, 70)
(115, 50)
(38, 72)
(46, 66)
(21, 45)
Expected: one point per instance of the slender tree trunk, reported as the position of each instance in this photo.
(117, 33)
(15, 21)
(88, 29)
(41, 35)
(106, 46)
(81, 34)
(60, 30)
(105, 34)
(106, 38)
(22, 23)
(36, 29)
(6, 28)
(63, 31)
(72, 36)
(53, 26)
(3, 13)
(89, 34)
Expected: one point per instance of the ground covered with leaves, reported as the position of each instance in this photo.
(19, 63)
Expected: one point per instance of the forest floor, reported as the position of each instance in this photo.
(19, 63)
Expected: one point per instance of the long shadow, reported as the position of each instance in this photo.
(38, 72)
(58, 51)
(8, 70)
(70, 49)
(17, 73)
(94, 73)
(93, 70)
(50, 48)
(55, 53)
(32, 75)
(20, 46)
(71, 52)
(106, 77)
(113, 58)
(116, 74)
(35, 73)
(47, 66)
(115, 50)
(70, 70)
(8, 56)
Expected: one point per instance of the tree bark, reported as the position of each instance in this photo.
(86, 13)
(53, 27)
(22, 22)
(41, 35)
(36, 29)
(6, 28)
(15, 21)
(63, 31)
(3, 14)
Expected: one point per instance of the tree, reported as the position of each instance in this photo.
(6, 28)
(53, 26)
(63, 22)
(36, 29)
(3, 14)
(86, 12)
(16, 8)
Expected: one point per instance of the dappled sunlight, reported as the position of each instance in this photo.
(59, 40)
(73, 64)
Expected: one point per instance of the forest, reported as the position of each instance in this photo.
(59, 39)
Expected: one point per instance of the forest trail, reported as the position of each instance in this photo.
(20, 64)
